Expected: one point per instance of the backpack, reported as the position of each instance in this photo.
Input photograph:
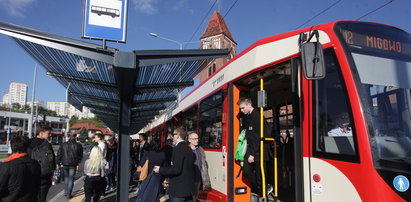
(241, 147)
(45, 156)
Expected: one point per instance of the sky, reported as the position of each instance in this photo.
(180, 20)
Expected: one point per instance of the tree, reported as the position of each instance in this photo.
(4, 107)
(83, 135)
(50, 113)
(95, 121)
(73, 120)
(41, 110)
(26, 108)
(16, 106)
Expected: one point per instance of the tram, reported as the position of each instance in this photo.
(305, 82)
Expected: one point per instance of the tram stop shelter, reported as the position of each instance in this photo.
(123, 89)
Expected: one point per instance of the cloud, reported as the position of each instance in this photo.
(146, 6)
(15, 8)
(179, 4)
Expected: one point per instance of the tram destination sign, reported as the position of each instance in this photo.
(105, 20)
(376, 37)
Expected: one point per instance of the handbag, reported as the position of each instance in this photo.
(142, 172)
(56, 177)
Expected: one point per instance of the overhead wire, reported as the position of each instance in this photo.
(232, 5)
(202, 21)
(208, 12)
(375, 9)
(323, 11)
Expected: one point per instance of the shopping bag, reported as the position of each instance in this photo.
(141, 173)
(56, 177)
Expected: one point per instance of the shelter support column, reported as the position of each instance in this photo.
(125, 72)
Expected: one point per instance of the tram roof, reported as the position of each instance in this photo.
(89, 73)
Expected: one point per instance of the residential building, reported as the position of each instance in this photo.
(65, 109)
(38, 103)
(17, 94)
(6, 99)
(85, 113)
(59, 107)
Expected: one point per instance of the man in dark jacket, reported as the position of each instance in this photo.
(41, 150)
(144, 145)
(181, 172)
(168, 151)
(251, 122)
(19, 174)
(69, 157)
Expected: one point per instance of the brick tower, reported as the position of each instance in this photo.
(216, 36)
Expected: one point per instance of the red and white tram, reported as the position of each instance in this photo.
(366, 76)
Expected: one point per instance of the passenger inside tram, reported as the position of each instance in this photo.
(343, 126)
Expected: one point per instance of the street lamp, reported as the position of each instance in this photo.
(67, 105)
(177, 42)
(33, 95)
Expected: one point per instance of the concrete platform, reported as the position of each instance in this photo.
(78, 193)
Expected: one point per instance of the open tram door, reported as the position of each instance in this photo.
(280, 105)
(279, 93)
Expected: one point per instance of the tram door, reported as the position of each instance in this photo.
(279, 162)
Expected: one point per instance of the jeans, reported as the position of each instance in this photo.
(186, 199)
(111, 179)
(69, 172)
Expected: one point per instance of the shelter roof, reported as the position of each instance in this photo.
(96, 77)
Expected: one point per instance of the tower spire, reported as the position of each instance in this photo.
(217, 26)
(216, 36)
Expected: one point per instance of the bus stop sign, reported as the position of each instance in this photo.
(105, 20)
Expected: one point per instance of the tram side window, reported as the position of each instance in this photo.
(210, 130)
(190, 119)
(156, 134)
(334, 130)
(169, 129)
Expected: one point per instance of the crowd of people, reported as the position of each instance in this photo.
(26, 174)
(176, 171)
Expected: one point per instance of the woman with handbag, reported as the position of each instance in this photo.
(94, 169)
(150, 187)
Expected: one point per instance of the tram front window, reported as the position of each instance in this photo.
(386, 83)
(389, 115)
(382, 58)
